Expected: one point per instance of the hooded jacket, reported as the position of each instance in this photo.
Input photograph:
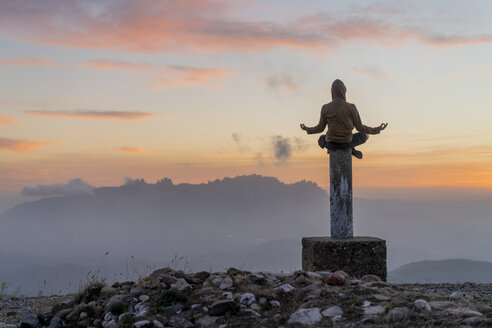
(341, 117)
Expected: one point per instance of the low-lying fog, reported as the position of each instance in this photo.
(255, 223)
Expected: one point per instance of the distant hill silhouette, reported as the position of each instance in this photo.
(166, 218)
(443, 271)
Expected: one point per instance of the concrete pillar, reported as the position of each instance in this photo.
(341, 193)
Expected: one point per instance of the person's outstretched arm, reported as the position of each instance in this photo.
(318, 128)
(363, 128)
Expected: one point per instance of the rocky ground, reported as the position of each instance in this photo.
(169, 298)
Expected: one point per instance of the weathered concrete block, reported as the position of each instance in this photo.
(356, 256)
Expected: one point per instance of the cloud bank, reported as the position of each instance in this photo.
(198, 26)
(7, 120)
(73, 187)
(91, 114)
(21, 146)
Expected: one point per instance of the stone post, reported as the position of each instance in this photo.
(341, 193)
(357, 256)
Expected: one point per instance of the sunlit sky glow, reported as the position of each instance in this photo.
(196, 90)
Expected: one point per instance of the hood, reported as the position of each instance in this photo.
(338, 90)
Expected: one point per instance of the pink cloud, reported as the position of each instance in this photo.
(182, 76)
(27, 61)
(197, 26)
(21, 146)
(117, 65)
(7, 120)
(91, 114)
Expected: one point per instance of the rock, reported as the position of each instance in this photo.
(255, 307)
(303, 281)
(398, 313)
(220, 307)
(56, 322)
(258, 278)
(275, 303)
(263, 300)
(61, 306)
(441, 304)
(334, 279)
(473, 321)
(466, 312)
(117, 304)
(307, 317)
(247, 299)
(332, 311)
(181, 285)
(143, 298)
(458, 294)
(374, 310)
(222, 283)
(369, 278)
(380, 297)
(157, 324)
(179, 322)
(207, 321)
(228, 296)
(171, 309)
(64, 313)
(366, 304)
(29, 321)
(143, 324)
(422, 305)
(285, 288)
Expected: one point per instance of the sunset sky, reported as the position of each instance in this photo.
(196, 90)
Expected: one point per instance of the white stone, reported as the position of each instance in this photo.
(308, 317)
(181, 284)
(458, 294)
(285, 288)
(143, 298)
(275, 303)
(374, 310)
(247, 299)
(332, 311)
(366, 304)
(422, 305)
(157, 324)
(228, 296)
(141, 323)
(398, 313)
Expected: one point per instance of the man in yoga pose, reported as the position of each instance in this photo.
(341, 118)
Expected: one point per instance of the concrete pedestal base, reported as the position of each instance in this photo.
(356, 256)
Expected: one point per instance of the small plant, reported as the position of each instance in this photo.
(3, 288)
(91, 292)
(168, 298)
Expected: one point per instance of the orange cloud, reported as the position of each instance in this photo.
(181, 76)
(7, 120)
(27, 61)
(91, 114)
(166, 26)
(113, 64)
(21, 146)
(130, 150)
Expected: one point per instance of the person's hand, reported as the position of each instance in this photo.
(382, 127)
(303, 127)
